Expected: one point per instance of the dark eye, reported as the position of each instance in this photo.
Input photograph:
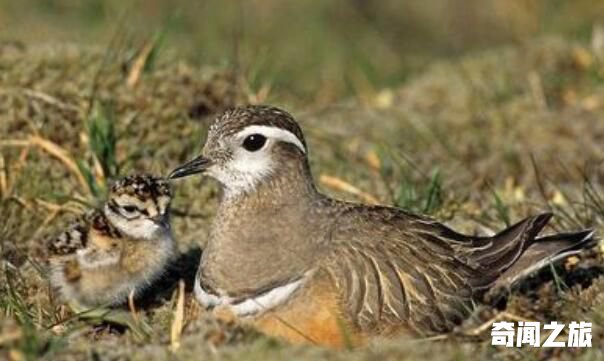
(254, 142)
(130, 209)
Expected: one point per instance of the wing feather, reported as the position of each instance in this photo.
(71, 240)
(402, 276)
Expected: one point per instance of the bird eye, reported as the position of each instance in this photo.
(254, 142)
(130, 209)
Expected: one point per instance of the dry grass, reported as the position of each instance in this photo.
(477, 142)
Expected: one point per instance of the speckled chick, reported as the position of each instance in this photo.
(119, 249)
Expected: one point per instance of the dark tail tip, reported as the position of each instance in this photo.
(537, 224)
(540, 253)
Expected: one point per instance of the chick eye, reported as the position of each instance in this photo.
(254, 142)
(130, 209)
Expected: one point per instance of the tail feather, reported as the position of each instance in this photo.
(518, 251)
(541, 252)
(508, 246)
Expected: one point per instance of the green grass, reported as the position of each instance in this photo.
(309, 51)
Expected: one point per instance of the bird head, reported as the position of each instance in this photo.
(246, 147)
(138, 205)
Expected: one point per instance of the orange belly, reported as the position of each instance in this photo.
(313, 315)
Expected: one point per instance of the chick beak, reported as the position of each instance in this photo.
(194, 166)
(161, 221)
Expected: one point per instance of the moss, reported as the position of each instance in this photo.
(480, 121)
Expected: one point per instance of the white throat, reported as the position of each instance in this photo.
(250, 306)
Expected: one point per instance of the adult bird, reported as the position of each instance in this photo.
(305, 267)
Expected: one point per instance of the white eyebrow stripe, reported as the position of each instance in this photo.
(272, 132)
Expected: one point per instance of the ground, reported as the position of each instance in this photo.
(478, 142)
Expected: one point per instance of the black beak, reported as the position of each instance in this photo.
(197, 165)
